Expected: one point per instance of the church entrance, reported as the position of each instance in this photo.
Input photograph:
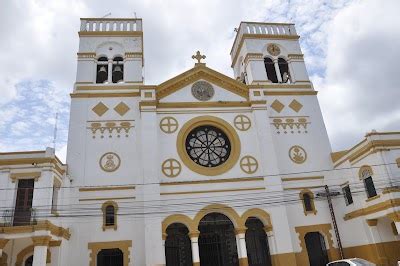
(316, 249)
(257, 243)
(178, 251)
(217, 241)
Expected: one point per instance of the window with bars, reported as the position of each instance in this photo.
(370, 187)
(347, 195)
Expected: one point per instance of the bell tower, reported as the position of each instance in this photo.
(110, 51)
(268, 53)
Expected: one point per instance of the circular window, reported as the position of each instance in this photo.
(208, 146)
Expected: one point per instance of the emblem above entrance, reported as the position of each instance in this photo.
(202, 91)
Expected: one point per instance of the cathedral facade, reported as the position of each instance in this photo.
(202, 169)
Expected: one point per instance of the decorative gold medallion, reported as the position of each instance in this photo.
(242, 122)
(100, 109)
(110, 162)
(273, 49)
(297, 154)
(202, 90)
(248, 164)
(171, 168)
(168, 125)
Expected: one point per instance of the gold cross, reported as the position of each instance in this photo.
(198, 57)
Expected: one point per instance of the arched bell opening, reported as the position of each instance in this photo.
(110, 257)
(257, 243)
(217, 241)
(102, 70)
(29, 261)
(270, 69)
(118, 70)
(178, 250)
(316, 249)
(284, 70)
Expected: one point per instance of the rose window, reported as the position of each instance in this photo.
(208, 146)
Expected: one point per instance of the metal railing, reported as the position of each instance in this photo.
(12, 217)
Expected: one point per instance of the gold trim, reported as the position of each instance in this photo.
(373, 198)
(398, 162)
(106, 188)
(169, 170)
(250, 162)
(372, 222)
(114, 198)
(22, 152)
(40, 226)
(115, 168)
(41, 240)
(103, 209)
(3, 243)
(259, 36)
(288, 179)
(148, 94)
(96, 247)
(394, 216)
(311, 194)
(105, 95)
(110, 33)
(299, 188)
(335, 156)
(289, 93)
(391, 190)
(100, 109)
(363, 169)
(122, 108)
(99, 87)
(210, 191)
(41, 160)
(218, 104)
(213, 121)
(295, 105)
(213, 181)
(201, 72)
(381, 206)
(27, 175)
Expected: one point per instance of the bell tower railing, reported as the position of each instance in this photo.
(110, 24)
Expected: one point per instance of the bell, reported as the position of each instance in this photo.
(117, 69)
(102, 70)
(102, 75)
(285, 77)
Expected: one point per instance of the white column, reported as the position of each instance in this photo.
(241, 246)
(194, 239)
(110, 64)
(163, 249)
(291, 72)
(397, 227)
(41, 244)
(278, 72)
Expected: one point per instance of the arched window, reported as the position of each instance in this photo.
(109, 215)
(118, 70)
(270, 68)
(284, 69)
(316, 249)
(102, 70)
(307, 197)
(257, 243)
(365, 174)
(178, 250)
(110, 257)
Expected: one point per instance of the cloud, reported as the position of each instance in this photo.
(350, 50)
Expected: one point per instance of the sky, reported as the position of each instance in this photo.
(351, 50)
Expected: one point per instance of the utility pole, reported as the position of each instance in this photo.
(328, 196)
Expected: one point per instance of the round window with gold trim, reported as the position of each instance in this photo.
(208, 145)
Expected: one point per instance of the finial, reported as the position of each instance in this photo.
(198, 57)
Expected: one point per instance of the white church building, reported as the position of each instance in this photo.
(202, 169)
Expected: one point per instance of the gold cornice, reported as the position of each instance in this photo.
(288, 179)
(40, 226)
(114, 198)
(252, 56)
(85, 189)
(211, 191)
(22, 152)
(148, 103)
(372, 222)
(392, 203)
(208, 104)
(259, 36)
(105, 95)
(277, 86)
(18, 161)
(41, 240)
(110, 33)
(201, 72)
(382, 133)
(300, 188)
(213, 181)
(335, 156)
(371, 146)
(391, 190)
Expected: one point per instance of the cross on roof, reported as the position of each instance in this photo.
(198, 57)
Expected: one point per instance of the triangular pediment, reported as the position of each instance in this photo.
(201, 72)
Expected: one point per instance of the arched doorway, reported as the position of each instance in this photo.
(178, 250)
(110, 257)
(217, 241)
(257, 243)
(316, 249)
(29, 261)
